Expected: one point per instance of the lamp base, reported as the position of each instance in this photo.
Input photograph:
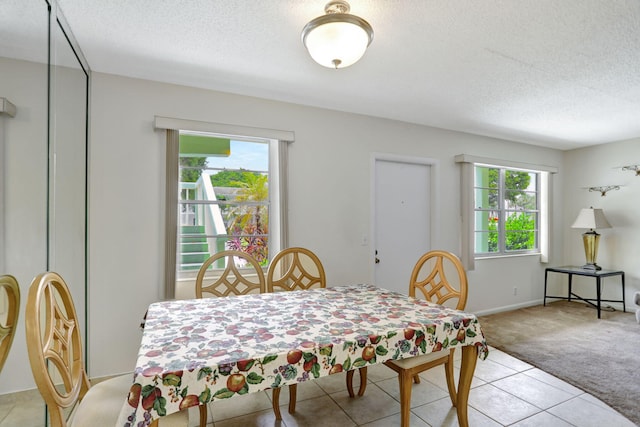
(590, 240)
(593, 267)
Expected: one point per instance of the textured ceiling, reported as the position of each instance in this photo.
(556, 73)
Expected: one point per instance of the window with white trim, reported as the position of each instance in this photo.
(224, 201)
(506, 211)
(242, 213)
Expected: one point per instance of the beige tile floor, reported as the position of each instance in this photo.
(505, 392)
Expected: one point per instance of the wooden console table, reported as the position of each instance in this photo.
(598, 274)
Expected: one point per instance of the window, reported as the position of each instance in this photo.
(236, 217)
(224, 200)
(506, 210)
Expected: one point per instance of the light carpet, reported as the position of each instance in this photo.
(567, 340)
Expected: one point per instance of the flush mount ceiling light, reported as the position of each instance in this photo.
(337, 39)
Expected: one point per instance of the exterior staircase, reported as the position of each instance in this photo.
(194, 250)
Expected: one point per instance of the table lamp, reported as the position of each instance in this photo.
(591, 218)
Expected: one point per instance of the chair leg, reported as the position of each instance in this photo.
(363, 381)
(451, 384)
(203, 415)
(293, 391)
(404, 378)
(350, 382)
(275, 402)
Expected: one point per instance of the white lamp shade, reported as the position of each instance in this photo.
(337, 44)
(591, 218)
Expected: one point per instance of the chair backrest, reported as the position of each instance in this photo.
(10, 292)
(440, 276)
(295, 269)
(54, 345)
(230, 281)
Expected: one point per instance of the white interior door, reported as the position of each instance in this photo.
(402, 217)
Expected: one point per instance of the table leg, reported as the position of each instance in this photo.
(469, 359)
(203, 414)
(544, 301)
(599, 293)
(293, 395)
(623, 304)
(569, 296)
(275, 402)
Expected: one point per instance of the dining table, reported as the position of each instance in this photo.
(197, 351)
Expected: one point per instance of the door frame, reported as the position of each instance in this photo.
(434, 214)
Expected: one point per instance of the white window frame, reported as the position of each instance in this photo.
(503, 212)
(278, 144)
(467, 181)
(269, 203)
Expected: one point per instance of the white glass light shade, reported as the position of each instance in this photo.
(591, 218)
(337, 40)
(337, 43)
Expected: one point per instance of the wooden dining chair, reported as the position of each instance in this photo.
(10, 293)
(295, 269)
(228, 273)
(55, 352)
(290, 270)
(440, 278)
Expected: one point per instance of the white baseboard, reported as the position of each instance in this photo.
(508, 308)
(495, 310)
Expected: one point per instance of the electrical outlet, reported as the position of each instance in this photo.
(515, 290)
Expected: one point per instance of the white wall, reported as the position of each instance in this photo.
(329, 198)
(620, 245)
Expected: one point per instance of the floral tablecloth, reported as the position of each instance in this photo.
(196, 351)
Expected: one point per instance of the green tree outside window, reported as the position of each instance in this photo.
(506, 203)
